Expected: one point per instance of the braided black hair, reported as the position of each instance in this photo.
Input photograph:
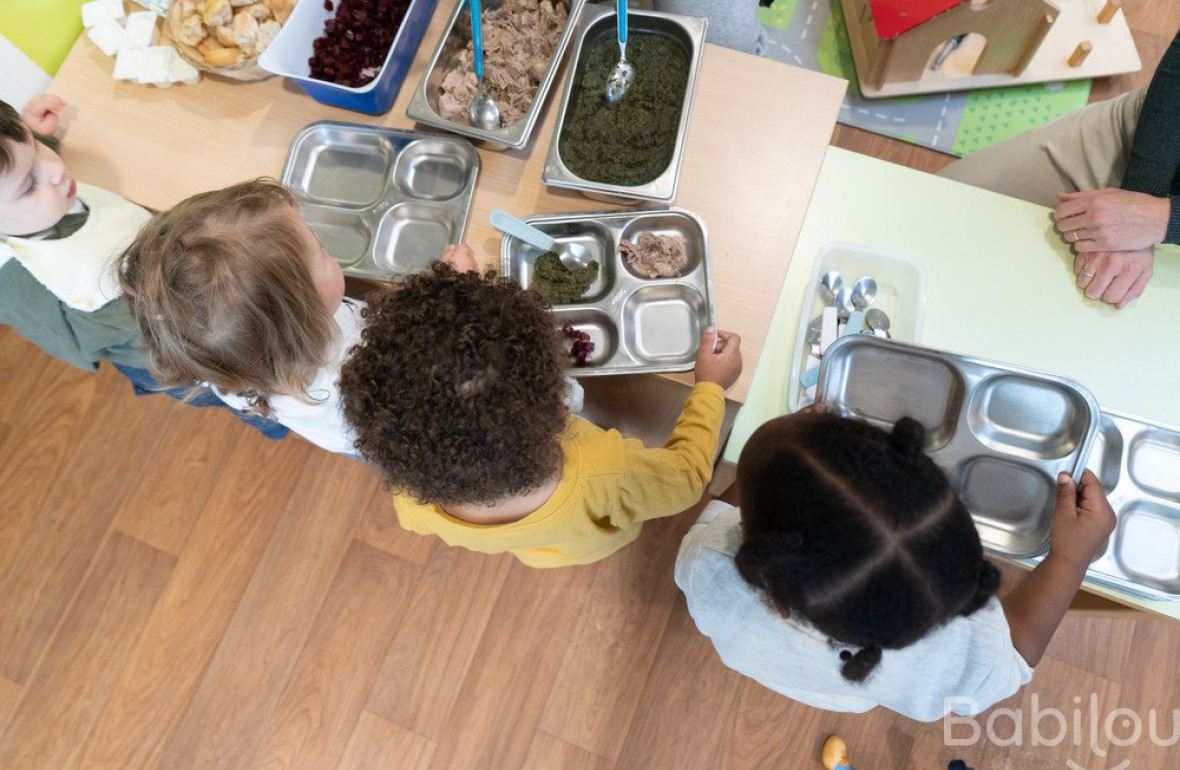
(858, 532)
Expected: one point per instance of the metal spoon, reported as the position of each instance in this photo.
(844, 306)
(864, 292)
(484, 112)
(878, 322)
(573, 255)
(829, 284)
(623, 75)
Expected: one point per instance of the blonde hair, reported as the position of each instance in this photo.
(221, 289)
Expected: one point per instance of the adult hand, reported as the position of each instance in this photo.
(1082, 521)
(720, 358)
(1117, 277)
(42, 113)
(1112, 220)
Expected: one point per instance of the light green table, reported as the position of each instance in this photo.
(999, 284)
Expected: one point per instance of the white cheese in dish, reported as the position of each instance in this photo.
(109, 36)
(141, 29)
(155, 67)
(127, 64)
(98, 11)
(183, 72)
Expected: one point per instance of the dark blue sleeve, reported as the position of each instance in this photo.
(1154, 163)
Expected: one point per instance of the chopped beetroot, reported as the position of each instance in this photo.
(356, 41)
(581, 348)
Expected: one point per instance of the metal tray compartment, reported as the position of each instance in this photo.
(1138, 463)
(598, 22)
(1001, 433)
(637, 324)
(383, 201)
(424, 104)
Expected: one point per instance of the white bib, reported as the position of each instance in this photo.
(80, 269)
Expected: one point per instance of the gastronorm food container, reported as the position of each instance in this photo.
(384, 202)
(1000, 432)
(292, 47)
(1138, 463)
(637, 324)
(901, 295)
(598, 22)
(424, 104)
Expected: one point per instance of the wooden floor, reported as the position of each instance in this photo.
(177, 592)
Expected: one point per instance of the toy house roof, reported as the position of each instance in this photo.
(894, 17)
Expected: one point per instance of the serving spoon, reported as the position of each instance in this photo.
(573, 256)
(623, 75)
(483, 112)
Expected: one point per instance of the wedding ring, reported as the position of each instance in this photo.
(1088, 274)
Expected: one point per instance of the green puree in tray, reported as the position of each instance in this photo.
(633, 142)
(559, 284)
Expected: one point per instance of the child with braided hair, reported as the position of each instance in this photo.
(853, 576)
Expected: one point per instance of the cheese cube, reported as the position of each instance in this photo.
(158, 6)
(183, 72)
(109, 36)
(156, 65)
(127, 63)
(141, 29)
(98, 11)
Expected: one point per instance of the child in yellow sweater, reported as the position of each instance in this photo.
(456, 393)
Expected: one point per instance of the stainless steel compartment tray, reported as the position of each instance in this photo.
(384, 202)
(424, 104)
(638, 324)
(597, 22)
(1138, 463)
(1002, 433)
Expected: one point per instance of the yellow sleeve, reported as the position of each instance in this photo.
(408, 513)
(665, 481)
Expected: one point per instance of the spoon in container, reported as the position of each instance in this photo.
(623, 75)
(483, 112)
(878, 322)
(844, 305)
(829, 284)
(573, 256)
(864, 292)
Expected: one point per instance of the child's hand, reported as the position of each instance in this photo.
(1082, 522)
(43, 113)
(723, 365)
(461, 258)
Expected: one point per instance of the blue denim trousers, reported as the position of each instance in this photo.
(145, 385)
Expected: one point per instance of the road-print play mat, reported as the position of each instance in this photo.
(810, 33)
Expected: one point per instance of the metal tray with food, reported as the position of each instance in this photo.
(1001, 433)
(1138, 463)
(637, 320)
(384, 202)
(445, 86)
(671, 38)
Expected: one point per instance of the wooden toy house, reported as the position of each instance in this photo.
(918, 46)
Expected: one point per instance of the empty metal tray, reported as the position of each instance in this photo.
(1001, 433)
(384, 202)
(637, 324)
(1138, 463)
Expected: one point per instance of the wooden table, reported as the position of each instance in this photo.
(757, 137)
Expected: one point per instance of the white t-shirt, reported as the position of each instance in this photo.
(322, 422)
(967, 658)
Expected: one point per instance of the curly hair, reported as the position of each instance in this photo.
(456, 388)
(220, 288)
(858, 532)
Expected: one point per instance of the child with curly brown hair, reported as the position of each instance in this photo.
(233, 292)
(853, 576)
(456, 393)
